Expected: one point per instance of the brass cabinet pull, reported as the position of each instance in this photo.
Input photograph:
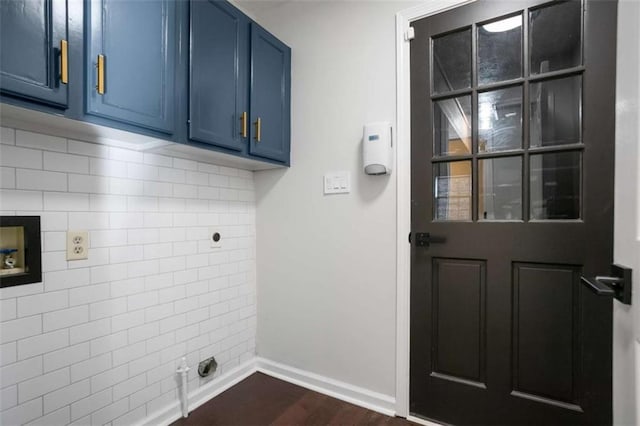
(64, 62)
(243, 124)
(100, 66)
(258, 124)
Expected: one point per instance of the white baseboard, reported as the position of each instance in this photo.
(201, 395)
(381, 403)
(422, 421)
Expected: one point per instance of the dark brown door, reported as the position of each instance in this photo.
(512, 172)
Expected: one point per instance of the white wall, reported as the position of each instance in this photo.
(626, 394)
(98, 340)
(326, 264)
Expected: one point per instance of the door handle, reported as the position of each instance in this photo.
(64, 62)
(258, 125)
(617, 285)
(423, 239)
(100, 67)
(243, 124)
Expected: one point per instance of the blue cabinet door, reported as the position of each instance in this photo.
(270, 95)
(218, 71)
(32, 33)
(137, 41)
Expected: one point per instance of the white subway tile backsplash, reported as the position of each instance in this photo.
(67, 163)
(43, 343)
(22, 413)
(20, 200)
(129, 353)
(108, 343)
(8, 397)
(127, 320)
(66, 279)
(20, 328)
(158, 160)
(7, 136)
(7, 309)
(90, 330)
(90, 367)
(67, 395)
(102, 167)
(89, 294)
(108, 308)
(64, 201)
(90, 404)
(57, 418)
(88, 184)
(40, 385)
(20, 371)
(109, 378)
(8, 353)
(110, 412)
(88, 149)
(98, 340)
(51, 301)
(65, 357)
(108, 203)
(7, 177)
(122, 154)
(40, 141)
(15, 156)
(166, 174)
(65, 318)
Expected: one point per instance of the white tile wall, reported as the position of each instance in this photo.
(99, 340)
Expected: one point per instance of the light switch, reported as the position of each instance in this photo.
(337, 183)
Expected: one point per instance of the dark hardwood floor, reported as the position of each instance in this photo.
(264, 400)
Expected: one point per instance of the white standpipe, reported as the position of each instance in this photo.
(183, 370)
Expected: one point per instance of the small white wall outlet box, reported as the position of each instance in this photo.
(77, 245)
(215, 237)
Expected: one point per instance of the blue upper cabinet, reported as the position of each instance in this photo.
(33, 50)
(131, 60)
(218, 74)
(270, 94)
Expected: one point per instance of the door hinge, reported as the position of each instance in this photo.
(410, 34)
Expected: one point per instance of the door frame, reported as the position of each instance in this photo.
(403, 191)
(622, 389)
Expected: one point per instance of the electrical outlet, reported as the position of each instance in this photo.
(77, 245)
(215, 237)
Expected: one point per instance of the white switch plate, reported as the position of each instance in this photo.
(337, 182)
(77, 245)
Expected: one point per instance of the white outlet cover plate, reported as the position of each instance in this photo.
(215, 244)
(77, 245)
(337, 183)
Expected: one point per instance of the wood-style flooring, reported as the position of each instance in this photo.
(264, 400)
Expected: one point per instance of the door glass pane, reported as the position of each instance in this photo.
(556, 111)
(555, 37)
(500, 186)
(500, 120)
(452, 126)
(555, 185)
(500, 50)
(452, 62)
(452, 190)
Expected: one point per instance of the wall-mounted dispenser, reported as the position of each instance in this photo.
(377, 148)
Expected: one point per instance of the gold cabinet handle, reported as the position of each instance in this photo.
(243, 124)
(64, 62)
(100, 66)
(258, 125)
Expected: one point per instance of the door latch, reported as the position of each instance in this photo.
(617, 285)
(423, 239)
